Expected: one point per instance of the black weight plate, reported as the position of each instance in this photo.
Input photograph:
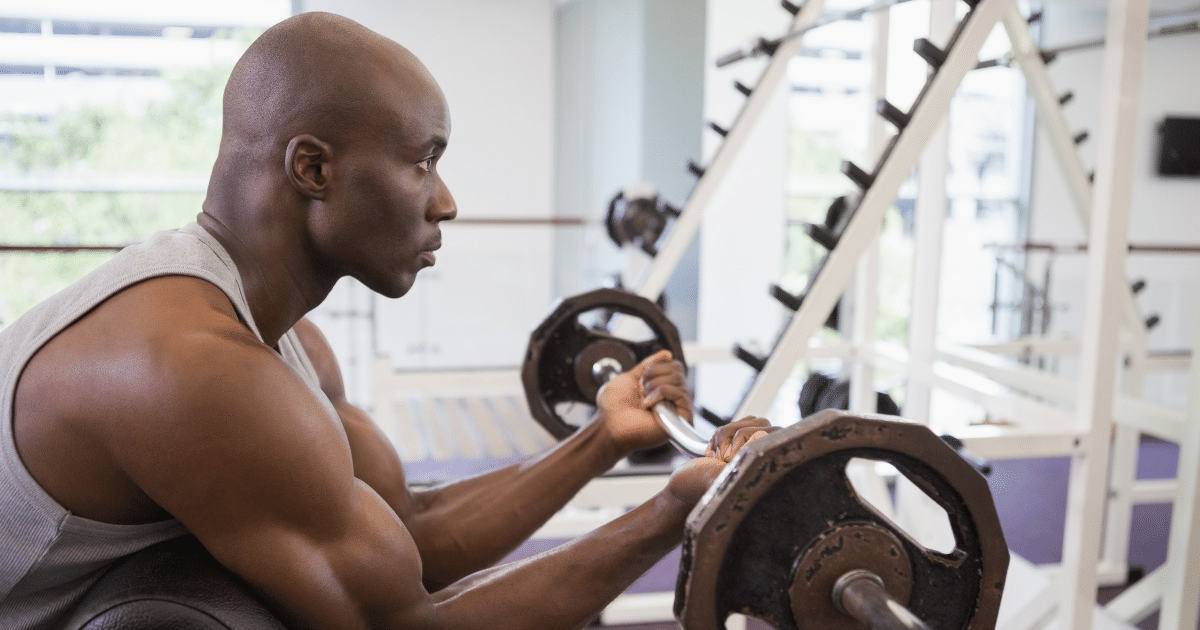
(549, 372)
(811, 392)
(782, 492)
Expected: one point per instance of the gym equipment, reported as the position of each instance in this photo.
(762, 46)
(568, 362)
(783, 537)
(637, 215)
(823, 392)
(174, 584)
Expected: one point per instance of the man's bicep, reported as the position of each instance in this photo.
(254, 465)
(375, 459)
(367, 575)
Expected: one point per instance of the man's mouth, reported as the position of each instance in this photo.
(426, 255)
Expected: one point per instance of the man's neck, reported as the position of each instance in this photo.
(279, 291)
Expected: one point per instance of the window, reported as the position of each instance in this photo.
(108, 128)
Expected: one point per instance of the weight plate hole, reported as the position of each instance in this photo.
(903, 503)
(610, 321)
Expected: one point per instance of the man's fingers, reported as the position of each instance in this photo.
(676, 396)
(730, 438)
(658, 357)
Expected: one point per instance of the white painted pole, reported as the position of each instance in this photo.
(1050, 115)
(929, 220)
(1118, 518)
(1181, 593)
(866, 282)
(1126, 40)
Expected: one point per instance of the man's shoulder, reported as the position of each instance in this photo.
(149, 346)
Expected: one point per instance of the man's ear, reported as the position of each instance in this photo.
(307, 163)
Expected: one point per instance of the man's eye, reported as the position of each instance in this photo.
(426, 164)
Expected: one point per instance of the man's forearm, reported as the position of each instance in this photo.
(472, 524)
(568, 586)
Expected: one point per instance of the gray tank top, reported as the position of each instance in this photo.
(48, 557)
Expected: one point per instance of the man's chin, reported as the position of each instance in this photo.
(392, 287)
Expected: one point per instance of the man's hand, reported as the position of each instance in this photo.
(729, 439)
(690, 481)
(623, 404)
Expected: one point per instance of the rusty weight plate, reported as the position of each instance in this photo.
(787, 492)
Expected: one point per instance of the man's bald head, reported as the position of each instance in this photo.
(328, 159)
(315, 73)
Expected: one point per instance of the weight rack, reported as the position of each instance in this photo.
(854, 226)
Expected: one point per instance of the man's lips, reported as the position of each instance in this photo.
(427, 254)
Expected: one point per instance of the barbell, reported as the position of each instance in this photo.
(782, 535)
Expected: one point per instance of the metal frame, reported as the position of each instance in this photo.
(655, 275)
(828, 285)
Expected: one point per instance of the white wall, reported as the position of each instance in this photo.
(495, 62)
(1165, 210)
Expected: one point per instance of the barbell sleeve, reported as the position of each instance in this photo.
(860, 594)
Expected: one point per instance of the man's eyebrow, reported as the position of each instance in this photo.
(436, 142)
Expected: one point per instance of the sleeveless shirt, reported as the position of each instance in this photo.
(49, 557)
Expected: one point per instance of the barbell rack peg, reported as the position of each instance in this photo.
(1048, 57)
(821, 235)
(790, 7)
(1138, 285)
(932, 55)
(1092, 177)
(749, 358)
(1081, 137)
(790, 301)
(671, 210)
(1152, 321)
(767, 46)
(714, 418)
(1034, 17)
(1066, 98)
(695, 169)
(857, 175)
(741, 87)
(836, 209)
(719, 129)
(892, 114)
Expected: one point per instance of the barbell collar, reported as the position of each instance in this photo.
(605, 370)
(861, 595)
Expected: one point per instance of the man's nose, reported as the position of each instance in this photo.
(443, 207)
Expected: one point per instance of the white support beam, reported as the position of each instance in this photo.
(929, 219)
(1139, 601)
(1181, 593)
(684, 230)
(1050, 114)
(1118, 518)
(860, 232)
(866, 281)
(1106, 286)
(1135, 412)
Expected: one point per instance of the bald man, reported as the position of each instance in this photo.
(177, 389)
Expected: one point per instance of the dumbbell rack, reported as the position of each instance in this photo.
(857, 229)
